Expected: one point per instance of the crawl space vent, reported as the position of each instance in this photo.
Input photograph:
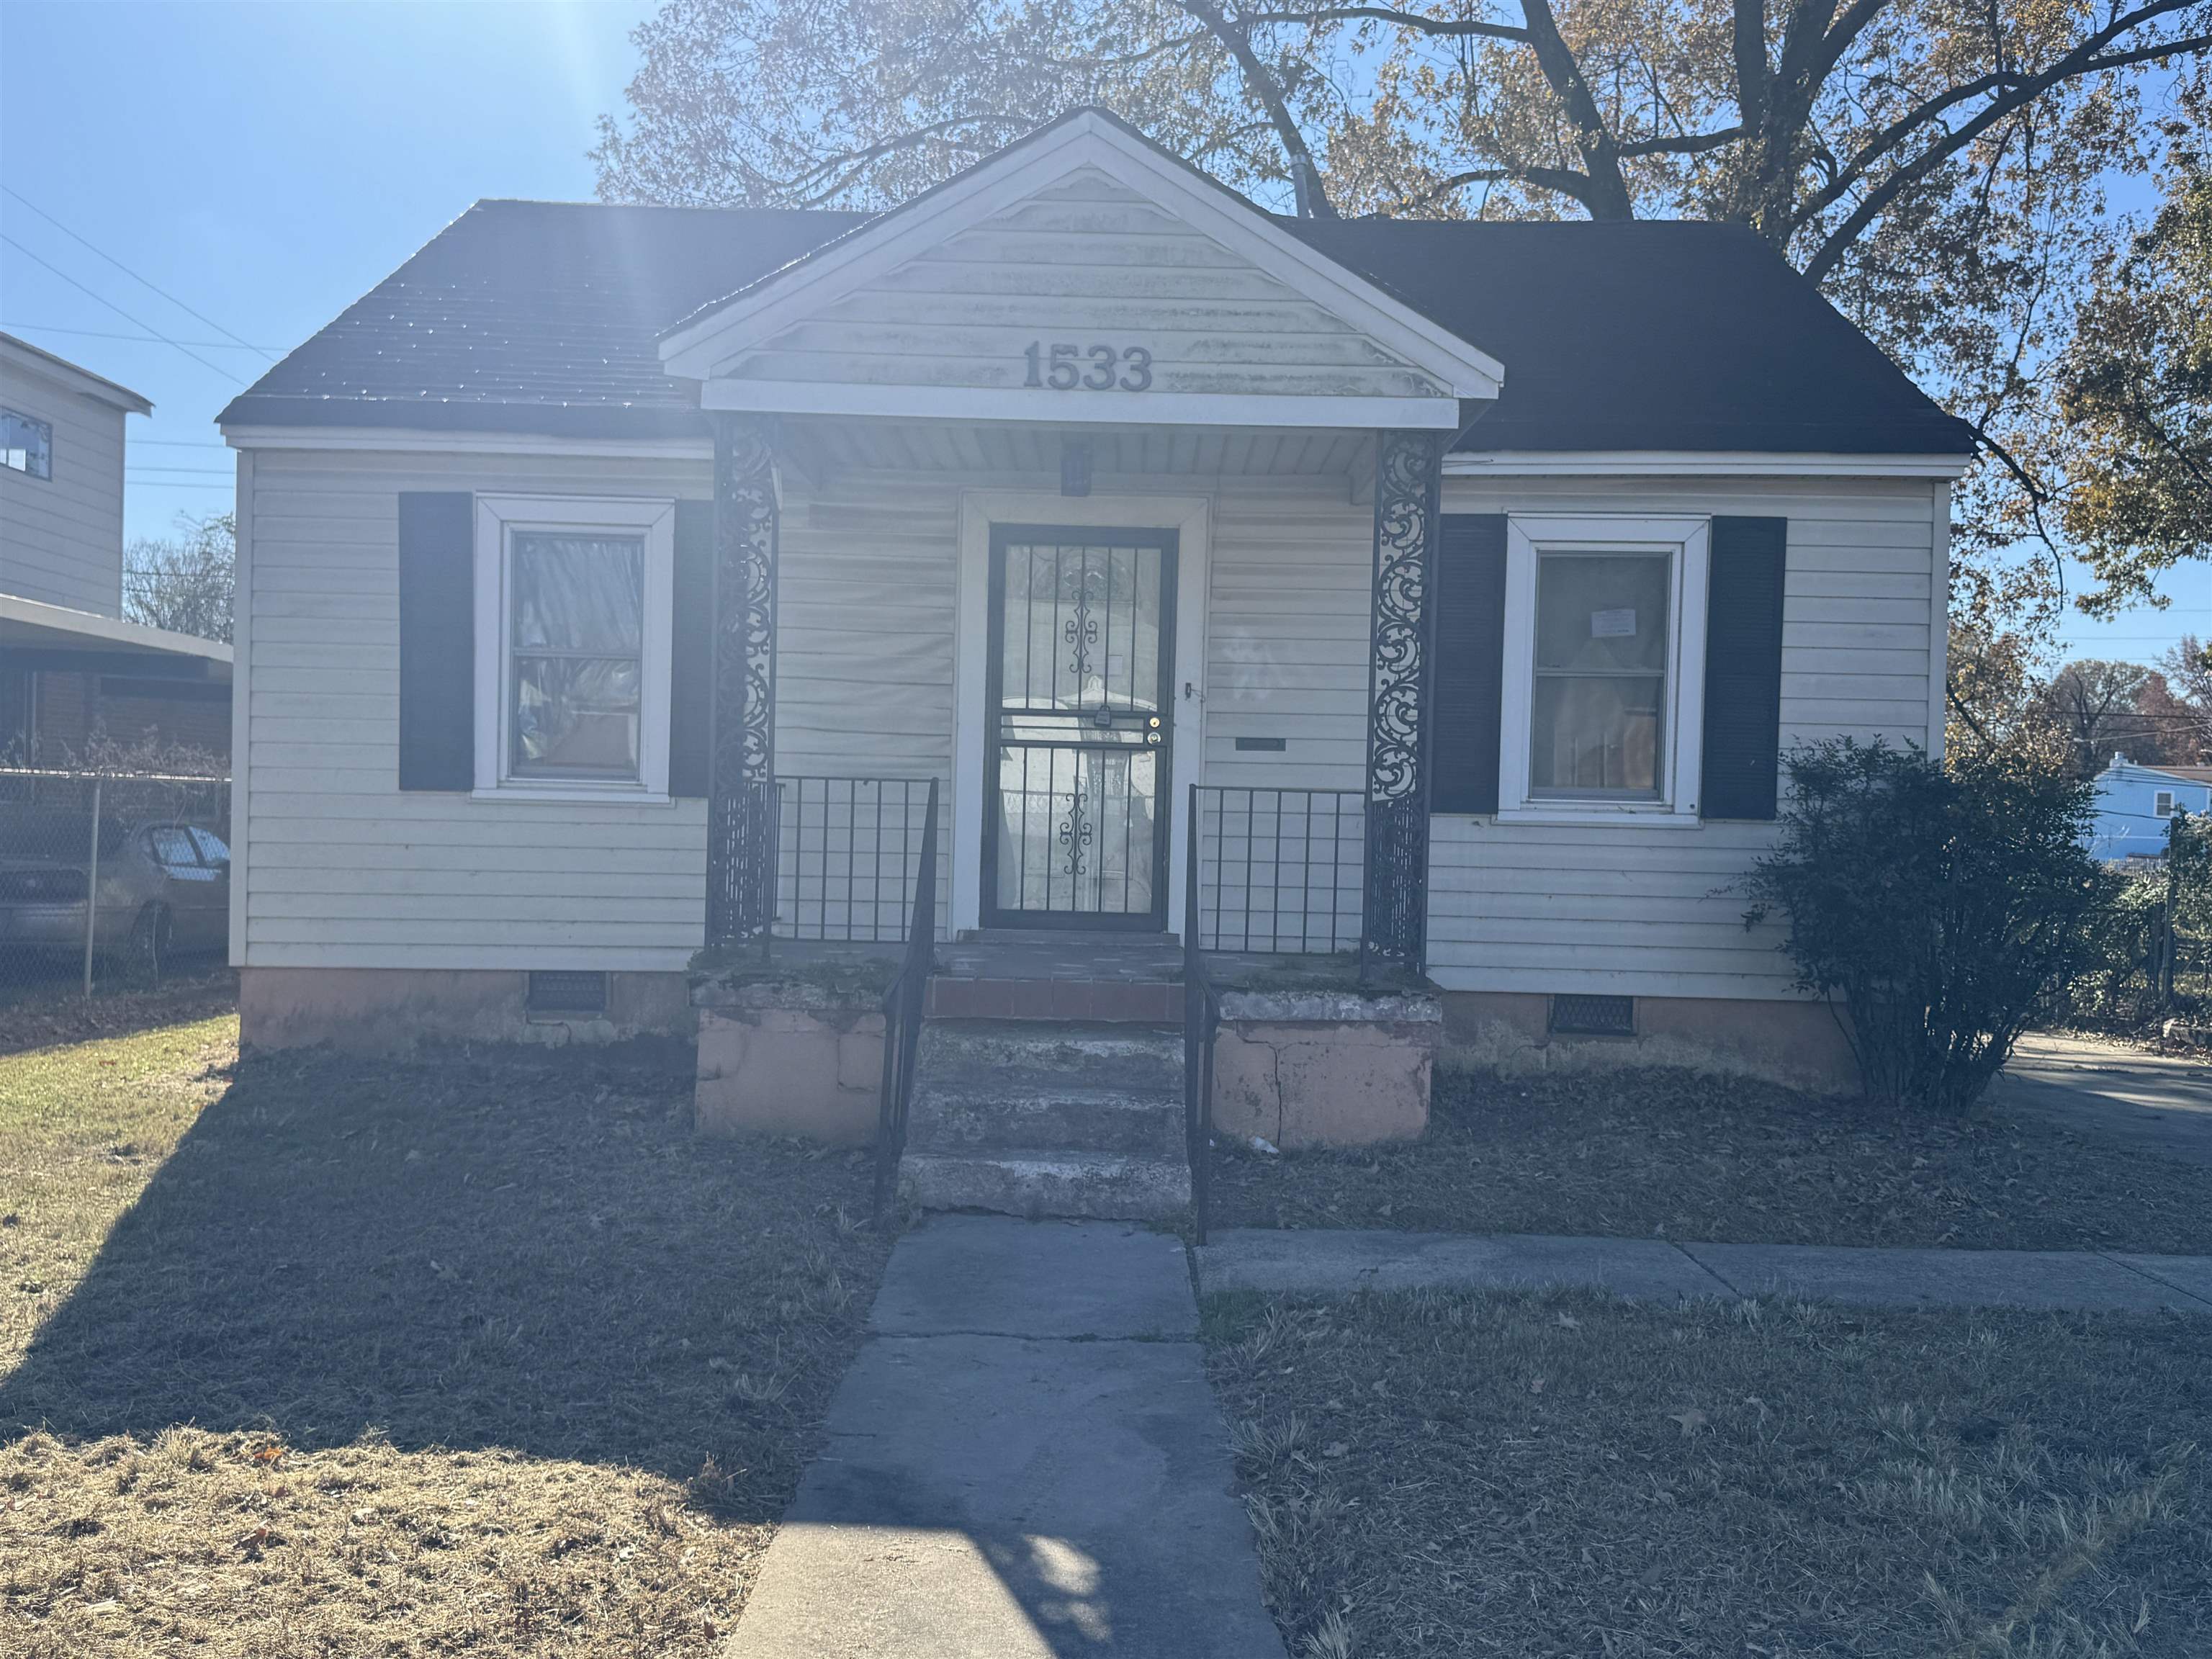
(1594, 1016)
(567, 993)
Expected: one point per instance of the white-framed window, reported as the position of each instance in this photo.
(1603, 692)
(2162, 804)
(27, 444)
(573, 623)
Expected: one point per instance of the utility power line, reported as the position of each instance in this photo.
(134, 275)
(109, 334)
(118, 309)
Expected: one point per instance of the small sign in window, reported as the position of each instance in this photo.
(1613, 624)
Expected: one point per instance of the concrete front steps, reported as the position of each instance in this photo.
(1049, 1118)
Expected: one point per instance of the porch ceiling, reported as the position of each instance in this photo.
(984, 449)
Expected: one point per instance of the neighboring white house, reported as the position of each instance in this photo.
(69, 665)
(1477, 574)
(2135, 806)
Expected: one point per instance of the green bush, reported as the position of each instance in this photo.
(1941, 909)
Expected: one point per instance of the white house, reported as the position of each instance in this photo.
(1475, 575)
(2136, 804)
(71, 666)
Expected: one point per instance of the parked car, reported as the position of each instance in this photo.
(164, 891)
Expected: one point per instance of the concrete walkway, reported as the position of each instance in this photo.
(2158, 1104)
(1024, 1462)
(1328, 1261)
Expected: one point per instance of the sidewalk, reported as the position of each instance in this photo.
(1025, 1462)
(1326, 1261)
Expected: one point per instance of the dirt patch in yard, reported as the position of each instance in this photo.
(42, 1010)
(1447, 1475)
(486, 1353)
(1684, 1154)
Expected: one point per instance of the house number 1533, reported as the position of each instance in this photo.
(1092, 368)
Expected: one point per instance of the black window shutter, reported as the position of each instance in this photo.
(692, 650)
(1470, 660)
(1743, 667)
(437, 640)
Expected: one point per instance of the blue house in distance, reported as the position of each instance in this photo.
(2134, 804)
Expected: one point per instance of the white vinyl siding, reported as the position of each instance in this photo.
(1646, 913)
(344, 869)
(61, 538)
(1083, 263)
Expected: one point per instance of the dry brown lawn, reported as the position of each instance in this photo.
(1687, 1155)
(1453, 1475)
(481, 1355)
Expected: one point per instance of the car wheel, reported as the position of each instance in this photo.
(146, 950)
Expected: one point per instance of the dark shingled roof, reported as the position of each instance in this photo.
(545, 317)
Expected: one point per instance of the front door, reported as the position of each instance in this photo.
(1075, 817)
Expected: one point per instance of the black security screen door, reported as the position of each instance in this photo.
(1075, 819)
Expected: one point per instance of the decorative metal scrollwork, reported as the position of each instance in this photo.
(1075, 833)
(742, 817)
(1408, 470)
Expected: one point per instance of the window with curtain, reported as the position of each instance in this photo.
(1600, 693)
(575, 654)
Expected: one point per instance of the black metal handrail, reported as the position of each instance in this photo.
(842, 849)
(1201, 1024)
(902, 1012)
(1288, 869)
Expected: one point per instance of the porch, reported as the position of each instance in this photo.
(1204, 657)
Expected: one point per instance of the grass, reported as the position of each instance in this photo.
(46, 1010)
(322, 1356)
(1447, 1475)
(1691, 1156)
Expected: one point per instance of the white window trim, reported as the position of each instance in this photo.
(497, 517)
(1687, 541)
(2162, 803)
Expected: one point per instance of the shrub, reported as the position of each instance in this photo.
(1939, 908)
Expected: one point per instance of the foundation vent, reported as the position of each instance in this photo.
(1594, 1016)
(568, 994)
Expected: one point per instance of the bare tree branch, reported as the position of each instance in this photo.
(1312, 199)
(1416, 21)
(2087, 59)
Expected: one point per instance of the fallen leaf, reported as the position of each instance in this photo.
(1690, 1418)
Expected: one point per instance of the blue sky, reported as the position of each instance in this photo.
(267, 163)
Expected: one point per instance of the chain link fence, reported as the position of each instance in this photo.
(110, 879)
(2148, 953)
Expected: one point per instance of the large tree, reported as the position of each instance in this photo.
(1937, 166)
(2135, 391)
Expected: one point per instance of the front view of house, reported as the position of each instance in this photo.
(616, 580)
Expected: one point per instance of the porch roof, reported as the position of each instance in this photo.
(546, 318)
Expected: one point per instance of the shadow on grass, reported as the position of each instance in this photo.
(488, 1250)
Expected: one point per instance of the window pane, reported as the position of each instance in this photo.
(583, 593)
(575, 715)
(172, 847)
(1596, 735)
(26, 445)
(1601, 611)
(211, 848)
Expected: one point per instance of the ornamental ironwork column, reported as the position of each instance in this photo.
(741, 802)
(1393, 928)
